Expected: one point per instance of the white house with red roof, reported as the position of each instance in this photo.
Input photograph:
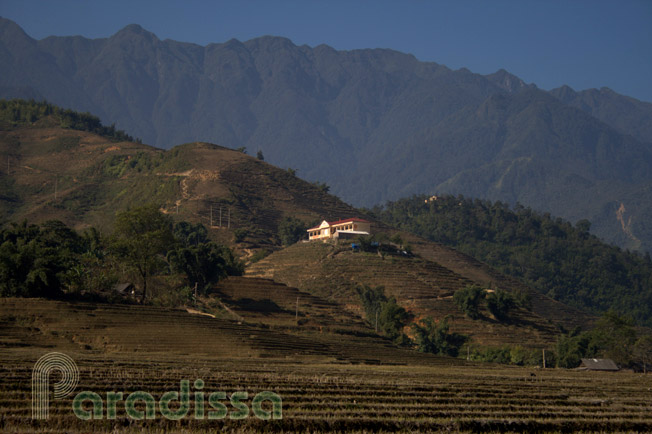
(341, 229)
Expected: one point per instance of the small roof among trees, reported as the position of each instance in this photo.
(123, 288)
(599, 365)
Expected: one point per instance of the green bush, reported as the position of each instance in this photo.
(434, 337)
(35, 261)
(613, 337)
(239, 235)
(291, 230)
(383, 313)
(500, 303)
(513, 355)
(468, 300)
(260, 254)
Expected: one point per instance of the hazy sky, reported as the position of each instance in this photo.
(582, 43)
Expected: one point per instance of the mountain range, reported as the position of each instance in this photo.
(375, 125)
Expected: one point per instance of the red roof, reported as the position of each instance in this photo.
(353, 219)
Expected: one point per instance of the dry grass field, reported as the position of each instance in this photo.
(318, 396)
(328, 382)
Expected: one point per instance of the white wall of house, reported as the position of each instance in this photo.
(326, 231)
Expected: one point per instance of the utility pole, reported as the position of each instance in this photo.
(376, 327)
(296, 311)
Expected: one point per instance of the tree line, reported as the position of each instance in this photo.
(52, 260)
(613, 337)
(22, 112)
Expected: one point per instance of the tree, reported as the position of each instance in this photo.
(572, 347)
(232, 265)
(468, 300)
(260, 155)
(202, 264)
(141, 238)
(392, 319)
(643, 351)
(372, 301)
(523, 299)
(188, 234)
(291, 230)
(97, 270)
(614, 336)
(434, 337)
(202, 261)
(35, 261)
(584, 226)
(500, 303)
(382, 312)
(322, 186)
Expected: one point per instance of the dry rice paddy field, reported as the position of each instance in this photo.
(320, 396)
(328, 382)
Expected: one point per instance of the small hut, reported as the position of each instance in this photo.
(125, 289)
(598, 365)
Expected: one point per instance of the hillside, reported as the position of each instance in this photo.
(83, 178)
(95, 329)
(423, 287)
(393, 126)
(551, 255)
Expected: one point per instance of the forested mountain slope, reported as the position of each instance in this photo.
(549, 254)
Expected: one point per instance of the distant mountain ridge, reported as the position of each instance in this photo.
(626, 114)
(375, 125)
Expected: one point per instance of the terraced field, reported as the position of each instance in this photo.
(326, 397)
(481, 273)
(114, 329)
(328, 381)
(325, 268)
(269, 302)
(420, 285)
